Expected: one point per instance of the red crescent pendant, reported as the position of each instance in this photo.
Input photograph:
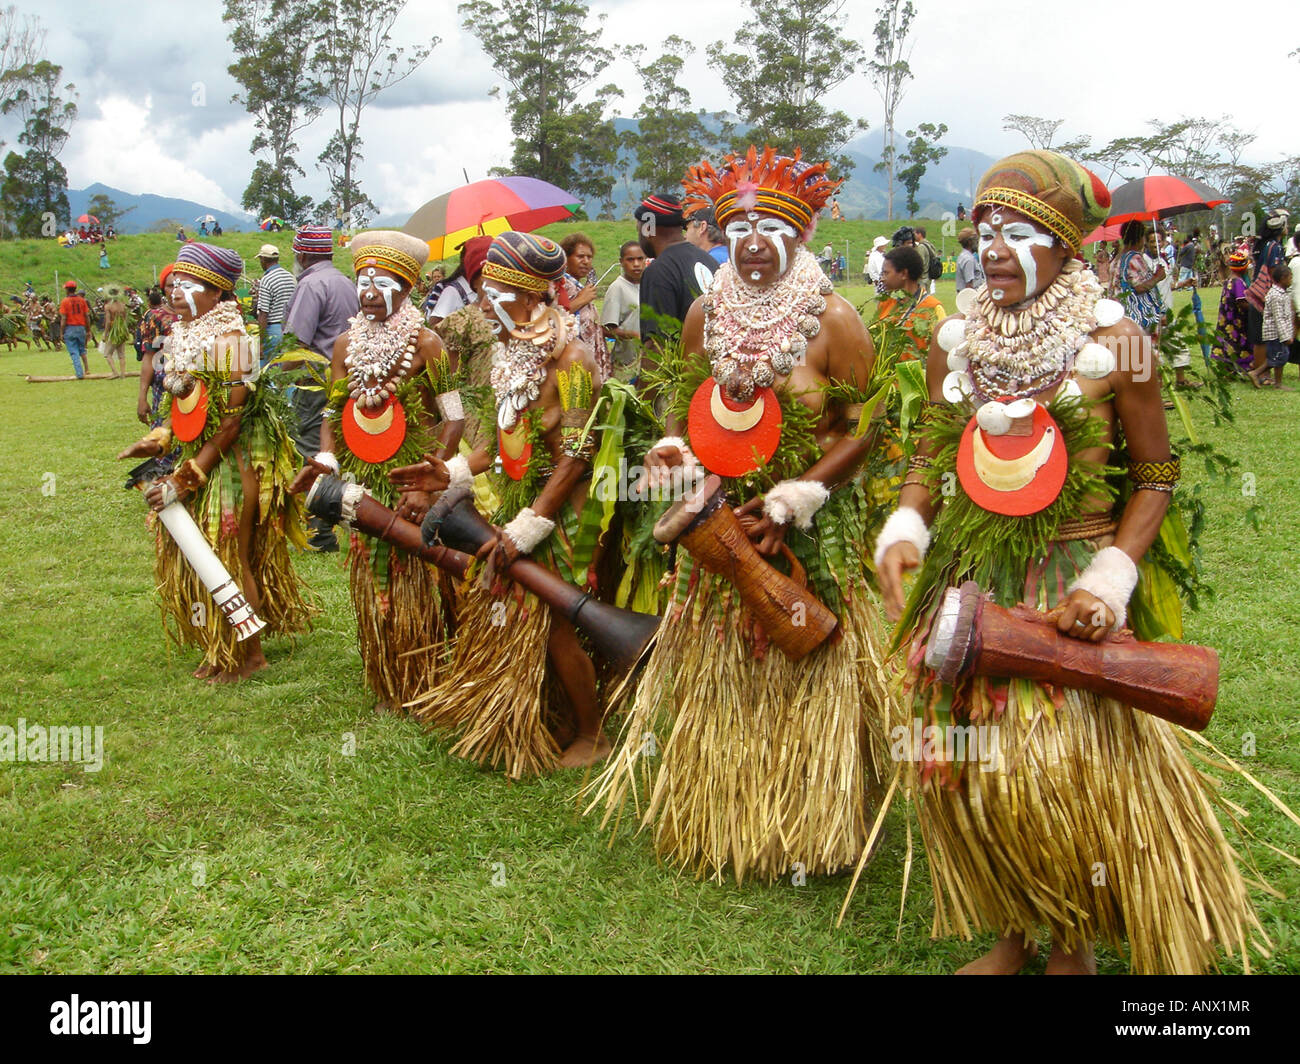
(374, 435)
(190, 414)
(749, 438)
(1013, 475)
(515, 449)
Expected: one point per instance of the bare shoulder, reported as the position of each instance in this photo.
(577, 354)
(841, 316)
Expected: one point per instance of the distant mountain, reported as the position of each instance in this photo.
(150, 210)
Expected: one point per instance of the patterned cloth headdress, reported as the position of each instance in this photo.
(525, 261)
(219, 266)
(777, 184)
(1239, 260)
(1057, 193)
(314, 240)
(384, 249)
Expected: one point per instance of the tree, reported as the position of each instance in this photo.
(1040, 132)
(22, 42)
(355, 60)
(670, 136)
(890, 70)
(35, 188)
(790, 54)
(549, 57)
(101, 206)
(922, 152)
(272, 44)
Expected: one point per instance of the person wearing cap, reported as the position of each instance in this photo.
(678, 273)
(876, 262)
(786, 761)
(74, 324)
(499, 695)
(393, 397)
(324, 302)
(275, 290)
(232, 473)
(1082, 814)
(969, 274)
(447, 297)
(702, 231)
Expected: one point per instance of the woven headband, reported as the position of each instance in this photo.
(771, 200)
(518, 278)
(204, 274)
(391, 259)
(1047, 216)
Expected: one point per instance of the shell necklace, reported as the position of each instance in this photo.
(752, 335)
(192, 345)
(519, 365)
(380, 355)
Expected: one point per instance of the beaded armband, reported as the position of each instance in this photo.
(1155, 476)
(575, 388)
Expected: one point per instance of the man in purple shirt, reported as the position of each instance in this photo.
(322, 304)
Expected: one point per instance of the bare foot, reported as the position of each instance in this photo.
(204, 671)
(1081, 962)
(585, 750)
(253, 663)
(1007, 957)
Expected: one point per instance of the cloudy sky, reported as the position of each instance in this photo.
(156, 116)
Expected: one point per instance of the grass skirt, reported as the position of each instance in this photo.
(401, 632)
(750, 763)
(493, 695)
(1097, 826)
(190, 617)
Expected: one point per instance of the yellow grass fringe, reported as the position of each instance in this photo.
(746, 765)
(493, 695)
(402, 634)
(1103, 829)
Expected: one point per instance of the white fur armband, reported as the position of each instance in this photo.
(528, 529)
(797, 500)
(327, 459)
(905, 525)
(1111, 576)
(458, 473)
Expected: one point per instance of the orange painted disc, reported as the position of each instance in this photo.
(515, 449)
(730, 438)
(1013, 475)
(374, 436)
(190, 414)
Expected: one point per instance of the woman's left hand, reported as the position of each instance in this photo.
(1083, 616)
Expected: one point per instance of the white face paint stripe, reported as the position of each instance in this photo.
(498, 299)
(188, 288)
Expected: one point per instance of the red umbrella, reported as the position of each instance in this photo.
(492, 206)
(1160, 197)
(1102, 232)
(87, 219)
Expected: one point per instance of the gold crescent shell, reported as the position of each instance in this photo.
(374, 426)
(735, 420)
(1009, 474)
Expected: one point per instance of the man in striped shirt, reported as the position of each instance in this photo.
(274, 294)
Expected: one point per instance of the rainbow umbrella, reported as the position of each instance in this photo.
(1161, 197)
(272, 220)
(490, 207)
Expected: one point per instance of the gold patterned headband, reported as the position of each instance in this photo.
(204, 274)
(771, 200)
(1049, 217)
(390, 259)
(518, 278)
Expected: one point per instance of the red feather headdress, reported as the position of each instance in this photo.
(777, 184)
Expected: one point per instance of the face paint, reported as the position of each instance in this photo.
(1022, 239)
(188, 289)
(499, 299)
(736, 232)
(772, 230)
(385, 286)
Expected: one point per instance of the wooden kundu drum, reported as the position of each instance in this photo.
(973, 637)
(793, 617)
(453, 531)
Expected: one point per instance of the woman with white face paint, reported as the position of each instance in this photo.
(233, 448)
(1083, 815)
(771, 381)
(393, 398)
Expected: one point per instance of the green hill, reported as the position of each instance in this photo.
(135, 260)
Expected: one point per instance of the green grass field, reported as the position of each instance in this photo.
(281, 826)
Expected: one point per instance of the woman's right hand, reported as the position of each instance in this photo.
(898, 559)
(142, 409)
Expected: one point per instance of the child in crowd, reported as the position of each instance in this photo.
(1279, 328)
